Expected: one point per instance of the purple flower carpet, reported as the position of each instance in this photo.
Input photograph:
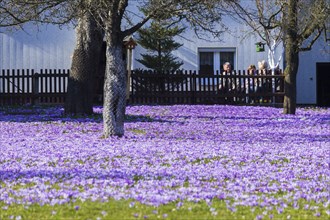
(246, 156)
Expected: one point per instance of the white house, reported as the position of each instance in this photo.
(49, 47)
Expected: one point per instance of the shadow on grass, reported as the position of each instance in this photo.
(60, 175)
(51, 113)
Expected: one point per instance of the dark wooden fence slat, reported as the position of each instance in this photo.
(8, 81)
(50, 82)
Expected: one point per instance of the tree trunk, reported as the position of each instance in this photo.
(290, 83)
(85, 64)
(292, 58)
(114, 90)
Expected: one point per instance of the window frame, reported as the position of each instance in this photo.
(217, 66)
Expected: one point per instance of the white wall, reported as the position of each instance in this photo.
(306, 77)
(238, 37)
(42, 47)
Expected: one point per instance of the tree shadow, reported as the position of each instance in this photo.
(60, 175)
(49, 114)
(143, 118)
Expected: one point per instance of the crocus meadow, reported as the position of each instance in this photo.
(243, 155)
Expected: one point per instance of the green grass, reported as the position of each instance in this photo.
(138, 131)
(133, 210)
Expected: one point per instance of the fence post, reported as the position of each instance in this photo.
(193, 88)
(35, 87)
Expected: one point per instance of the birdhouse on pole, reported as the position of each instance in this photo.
(130, 43)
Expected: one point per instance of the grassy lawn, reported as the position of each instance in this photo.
(174, 162)
(125, 209)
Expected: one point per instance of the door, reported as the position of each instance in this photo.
(323, 84)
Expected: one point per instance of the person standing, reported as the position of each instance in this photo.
(263, 84)
(251, 83)
(226, 84)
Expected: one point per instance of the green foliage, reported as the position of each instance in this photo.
(158, 41)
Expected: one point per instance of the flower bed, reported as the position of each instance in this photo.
(246, 156)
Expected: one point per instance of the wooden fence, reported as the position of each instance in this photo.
(188, 87)
(27, 86)
(182, 87)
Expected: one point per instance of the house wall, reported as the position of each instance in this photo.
(306, 77)
(238, 38)
(43, 47)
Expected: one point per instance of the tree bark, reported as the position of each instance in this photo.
(290, 82)
(292, 58)
(85, 64)
(114, 105)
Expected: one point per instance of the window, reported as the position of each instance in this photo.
(227, 57)
(212, 59)
(206, 63)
